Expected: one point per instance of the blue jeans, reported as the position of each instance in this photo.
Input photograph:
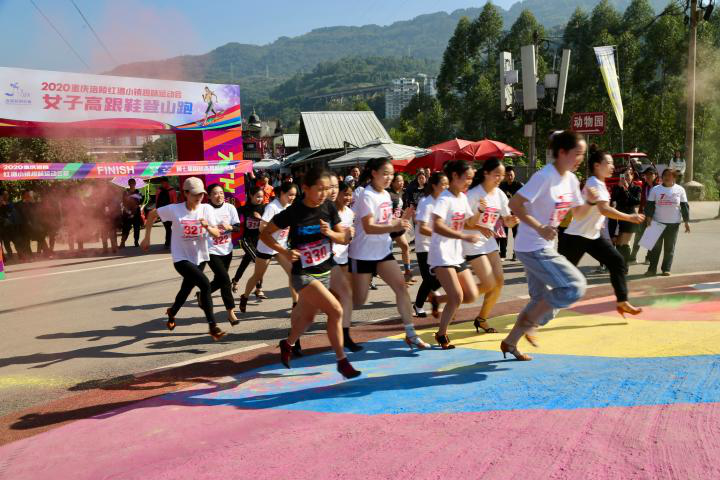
(551, 277)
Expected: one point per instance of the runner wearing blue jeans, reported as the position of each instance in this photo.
(541, 205)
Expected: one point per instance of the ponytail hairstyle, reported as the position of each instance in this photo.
(595, 158)
(434, 180)
(313, 175)
(564, 140)
(285, 187)
(488, 166)
(458, 167)
(372, 165)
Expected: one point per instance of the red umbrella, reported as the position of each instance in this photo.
(434, 161)
(400, 165)
(484, 149)
(454, 145)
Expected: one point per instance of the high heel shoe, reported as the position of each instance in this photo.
(243, 303)
(285, 353)
(171, 320)
(233, 321)
(234, 286)
(416, 341)
(432, 298)
(346, 369)
(260, 295)
(625, 307)
(444, 342)
(506, 348)
(478, 323)
(216, 332)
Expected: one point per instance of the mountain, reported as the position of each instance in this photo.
(258, 69)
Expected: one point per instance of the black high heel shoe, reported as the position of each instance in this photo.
(444, 342)
(346, 369)
(478, 323)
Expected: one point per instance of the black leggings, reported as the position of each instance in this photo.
(429, 281)
(249, 245)
(573, 247)
(193, 276)
(219, 264)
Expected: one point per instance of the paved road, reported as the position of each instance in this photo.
(72, 324)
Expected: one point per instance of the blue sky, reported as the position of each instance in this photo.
(135, 30)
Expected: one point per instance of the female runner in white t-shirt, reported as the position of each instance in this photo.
(484, 256)
(284, 196)
(541, 205)
(191, 224)
(584, 235)
(371, 250)
(340, 280)
(221, 249)
(450, 214)
(435, 186)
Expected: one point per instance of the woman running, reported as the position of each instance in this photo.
(449, 216)
(340, 281)
(437, 184)
(667, 204)
(221, 249)
(626, 199)
(396, 196)
(484, 256)
(314, 226)
(371, 250)
(284, 196)
(191, 224)
(541, 205)
(252, 213)
(585, 235)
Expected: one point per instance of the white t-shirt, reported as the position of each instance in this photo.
(372, 246)
(423, 214)
(550, 196)
(591, 225)
(281, 236)
(340, 251)
(189, 239)
(497, 207)
(356, 194)
(678, 165)
(226, 214)
(667, 203)
(454, 211)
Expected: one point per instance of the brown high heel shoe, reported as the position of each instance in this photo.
(506, 348)
(626, 307)
(444, 342)
(171, 320)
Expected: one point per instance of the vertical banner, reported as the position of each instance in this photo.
(606, 62)
(2, 266)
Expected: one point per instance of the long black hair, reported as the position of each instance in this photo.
(458, 167)
(372, 165)
(434, 180)
(284, 187)
(565, 140)
(488, 166)
(596, 157)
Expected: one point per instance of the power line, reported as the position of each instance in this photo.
(94, 32)
(60, 34)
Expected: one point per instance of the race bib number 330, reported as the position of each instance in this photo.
(315, 253)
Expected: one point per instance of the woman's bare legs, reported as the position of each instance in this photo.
(316, 297)
(459, 288)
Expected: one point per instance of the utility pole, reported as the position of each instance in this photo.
(690, 118)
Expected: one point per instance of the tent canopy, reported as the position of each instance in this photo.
(378, 149)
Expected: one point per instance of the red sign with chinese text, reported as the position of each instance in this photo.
(592, 123)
